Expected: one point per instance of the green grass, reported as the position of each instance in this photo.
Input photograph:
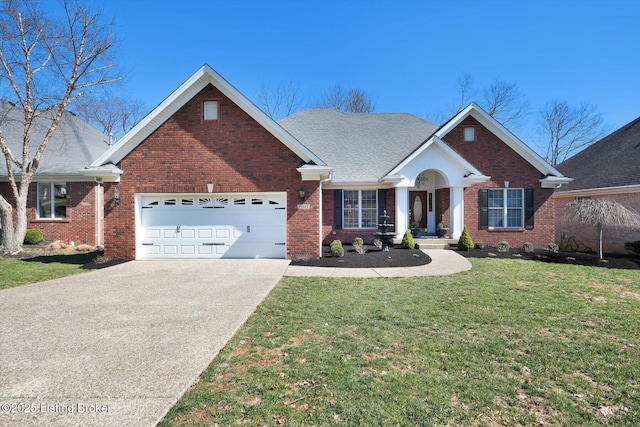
(507, 343)
(17, 272)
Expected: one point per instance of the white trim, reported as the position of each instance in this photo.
(178, 98)
(623, 189)
(315, 173)
(554, 181)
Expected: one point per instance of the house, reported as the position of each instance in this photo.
(207, 175)
(63, 202)
(608, 168)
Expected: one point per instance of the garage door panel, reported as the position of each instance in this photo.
(213, 226)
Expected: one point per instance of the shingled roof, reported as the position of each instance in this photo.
(361, 147)
(611, 162)
(74, 145)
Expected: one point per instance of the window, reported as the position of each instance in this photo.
(506, 207)
(360, 209)
(211, 110)
(52, 200)
(469, 134)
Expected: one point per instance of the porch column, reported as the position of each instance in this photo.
(457, 212)
(402, 215)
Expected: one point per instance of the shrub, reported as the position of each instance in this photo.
(633, 246)
(358, 241)
(407, 240)
(336, 249)
(358, 245)
(503, 246)
(528, 247)
(553, 247)
(479, 245)
(33, 236)
(377, 243)
(465, 243)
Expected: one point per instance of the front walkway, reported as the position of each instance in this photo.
(443, 262)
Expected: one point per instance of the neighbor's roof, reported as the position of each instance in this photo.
(74, 145)
(361, 147)
(611, 162)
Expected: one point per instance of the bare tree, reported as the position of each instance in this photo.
(467, 92)
(505, 103)
(347, 100)
(600, 212)
(113, 115)
(281, 100)
(567, 130)
(45, 64)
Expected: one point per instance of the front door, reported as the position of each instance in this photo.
(418, 207)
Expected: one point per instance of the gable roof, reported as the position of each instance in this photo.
(552, 177)
(360, 147)
(74, 145)
(194, 84)
(611, 162)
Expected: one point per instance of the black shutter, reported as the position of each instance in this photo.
(382, 201)
(337, 209)
(484, 209)
(528, 208)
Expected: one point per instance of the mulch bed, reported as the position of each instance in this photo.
(373, 258)
(627, 262)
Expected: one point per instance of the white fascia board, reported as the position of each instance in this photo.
(501, 132)
(554, 181)
(107, 173)
(476, 179)
(314, 172)
(355, 185)
(53, 178)
(178, 98)
(603, 191)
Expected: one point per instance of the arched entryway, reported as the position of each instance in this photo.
(426, 201)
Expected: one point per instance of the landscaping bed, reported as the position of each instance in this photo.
(373, 258)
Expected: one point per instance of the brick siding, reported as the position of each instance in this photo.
(235, 153)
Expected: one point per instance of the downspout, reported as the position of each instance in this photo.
(321, 210)
(98, 213)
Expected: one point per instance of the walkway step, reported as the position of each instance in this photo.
(435, 243)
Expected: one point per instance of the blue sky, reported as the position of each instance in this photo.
(406, 54)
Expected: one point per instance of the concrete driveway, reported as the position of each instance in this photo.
(119, 346)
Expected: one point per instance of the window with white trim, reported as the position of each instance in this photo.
(210, 109)
(469, 134)
(506, 207)
(359, 208)
(52, 200)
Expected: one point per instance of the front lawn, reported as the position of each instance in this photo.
(508, 343)
(16, 272)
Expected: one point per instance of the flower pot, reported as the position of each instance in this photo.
(440, 232)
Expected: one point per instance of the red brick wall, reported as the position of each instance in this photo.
(613, 238)
(330, 233)
(494, 158)
(234, 153)
(80, 224)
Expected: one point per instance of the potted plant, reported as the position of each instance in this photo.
(415, 229)
(441, 229)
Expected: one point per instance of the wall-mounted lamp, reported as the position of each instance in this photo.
(303, 195)
(209, 188)
(506, 184)
(116, 195)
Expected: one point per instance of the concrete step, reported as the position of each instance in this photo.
(435, 243)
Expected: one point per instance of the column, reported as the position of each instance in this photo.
(402, 215)
(457, 212)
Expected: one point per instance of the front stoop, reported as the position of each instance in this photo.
(435, 243)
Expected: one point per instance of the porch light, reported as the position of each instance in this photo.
(116, 195)
(506, 184)
(210, 187)
(302, 194)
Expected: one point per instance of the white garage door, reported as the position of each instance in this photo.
(212, 226)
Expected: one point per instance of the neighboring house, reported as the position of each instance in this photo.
(609, 168)
(63, 202)
(208, 174)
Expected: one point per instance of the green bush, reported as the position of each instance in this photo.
(407, 240)
(465, 243)
(633, 246)
(358, 241)
(503, 246)
(33, 236)
(336, 249)
(528, 247)
(479, 245)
